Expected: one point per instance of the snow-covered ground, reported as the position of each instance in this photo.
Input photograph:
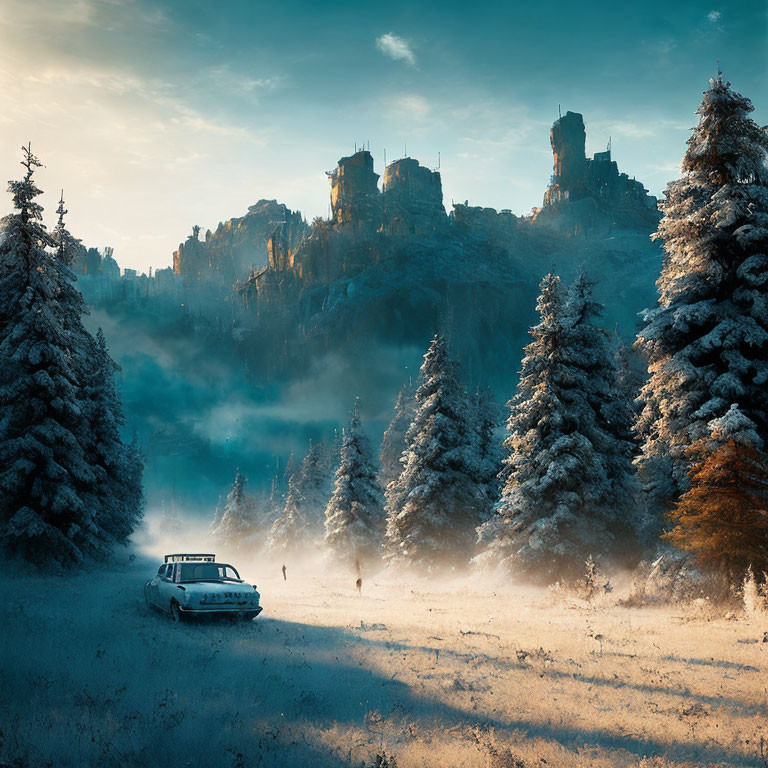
(435, 674)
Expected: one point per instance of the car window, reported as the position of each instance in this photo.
(161, 570)
(228, 572)
(205, 572)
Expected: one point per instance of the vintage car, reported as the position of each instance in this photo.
(196, 585)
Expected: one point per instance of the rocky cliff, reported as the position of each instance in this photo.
(346, 307)
(390, 266)
(238, 245)
(590, 193)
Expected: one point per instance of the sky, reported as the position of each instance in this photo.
(154, 116)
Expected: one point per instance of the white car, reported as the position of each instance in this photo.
(196, 585)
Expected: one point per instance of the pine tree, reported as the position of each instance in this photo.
(239, 519)
(216, 520)
(290, 469)
(707, 340)
(568, 477)
(67, 246)
(118, 468)
(436, 503)
(590, 351)
(354, 517)
(489, 455)
(723, 517)
(133, 469)
(633, 373)
(393, 442)
(48, 507)
(170, 525)
(302, 520)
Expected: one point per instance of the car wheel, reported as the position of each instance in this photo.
(175, 612)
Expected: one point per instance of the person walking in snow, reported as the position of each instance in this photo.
(285, 578)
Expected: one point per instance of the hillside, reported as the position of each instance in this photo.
(266, 309)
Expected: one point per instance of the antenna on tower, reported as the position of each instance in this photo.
(719, 71)
(559, 111)
(609, 143)
(438, 161)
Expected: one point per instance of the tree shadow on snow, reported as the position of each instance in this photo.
(92, 678)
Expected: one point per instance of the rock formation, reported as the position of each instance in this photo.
(355, 197)
(585, 193)
(413, 199)
(238, 245)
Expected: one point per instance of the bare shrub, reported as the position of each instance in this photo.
(381, 760)
(591, 586)
(672, 579)
(753, 595)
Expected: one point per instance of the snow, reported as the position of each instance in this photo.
(327, 677)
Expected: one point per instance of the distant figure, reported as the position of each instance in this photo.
(285, 578)
(359, 585)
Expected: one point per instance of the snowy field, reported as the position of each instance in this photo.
(443, 675)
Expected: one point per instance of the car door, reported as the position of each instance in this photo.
(153, 586)
(165, 587)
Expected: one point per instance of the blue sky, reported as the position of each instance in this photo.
(155, 116)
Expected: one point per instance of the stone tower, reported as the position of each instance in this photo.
(568, 138)
(355, 196)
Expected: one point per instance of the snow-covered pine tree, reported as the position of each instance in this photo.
(48, 505)
(290, 469)
(590, 350)
(707, 340)
(633, 372)
(217, 513)
(316, 478)
(118, 467)
(290, 529)
(568, 487)
(393, 442)
(133, 468)
(722, 517)
(302, 520)
(489, 455)
(437, 501)
(170, 525)
(67, 246)
(354, 517)
(239, 518)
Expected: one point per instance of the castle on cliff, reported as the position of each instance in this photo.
(365, 210)
(577, 178)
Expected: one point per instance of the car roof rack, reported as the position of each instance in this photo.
(185, 558)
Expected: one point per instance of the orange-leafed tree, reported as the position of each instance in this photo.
(723, 518)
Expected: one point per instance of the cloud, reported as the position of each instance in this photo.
(714, 16)
(629, 128)
(396, 48)
(411, 105)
